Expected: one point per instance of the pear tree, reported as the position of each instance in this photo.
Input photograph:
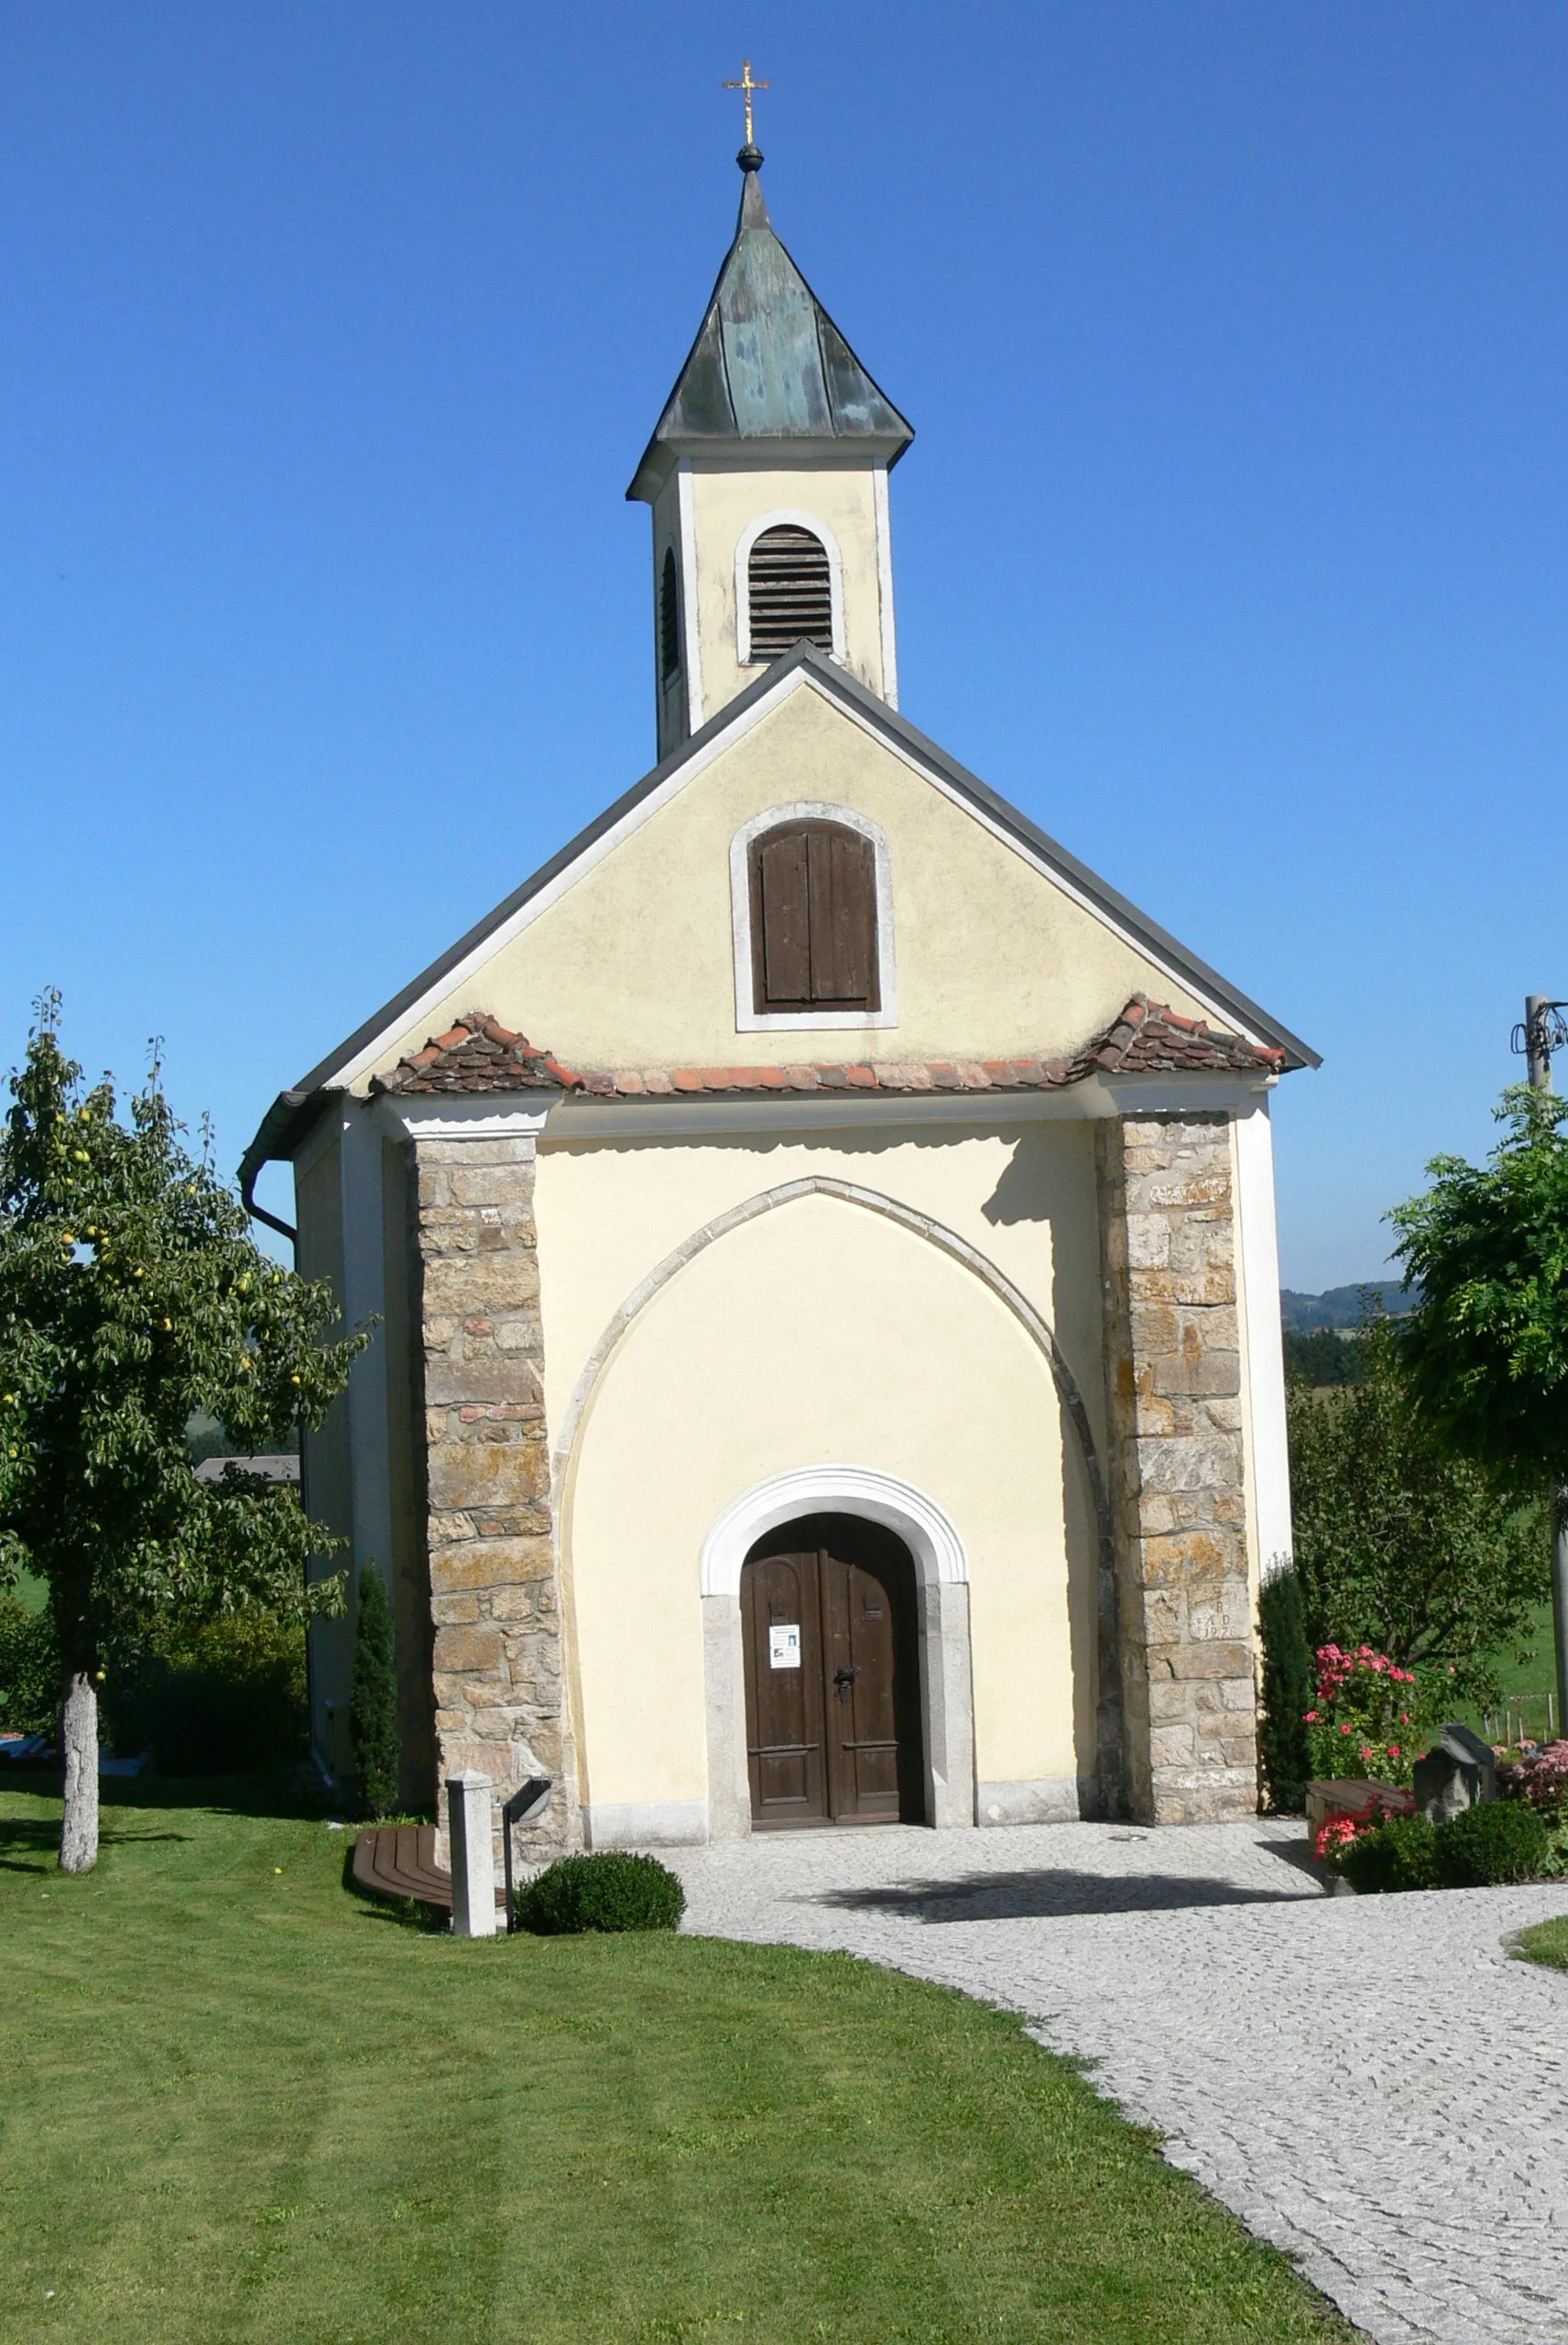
(132, 1295)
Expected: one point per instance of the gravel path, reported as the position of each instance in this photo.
(1367, 2081)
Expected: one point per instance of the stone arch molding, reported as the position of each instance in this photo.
(930, 1536)
(947, 1241)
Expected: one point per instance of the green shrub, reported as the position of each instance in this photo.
(1289, 1684)
(1501, 1840)
(29, 1669)
(224, 1698)
(372, 1698)
(1399, 1853)
(606, 1891)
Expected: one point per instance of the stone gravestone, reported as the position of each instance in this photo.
(1457, 1772)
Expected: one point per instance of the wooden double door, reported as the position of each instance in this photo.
(832, 1703)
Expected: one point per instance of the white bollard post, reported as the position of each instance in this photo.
(473, 1854)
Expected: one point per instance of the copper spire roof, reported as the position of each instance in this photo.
(769, 363)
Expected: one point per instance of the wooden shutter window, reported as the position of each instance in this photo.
(668, 620)
(813, 919)
(789, 590)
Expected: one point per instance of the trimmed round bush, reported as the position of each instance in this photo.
(605, 1890)
(1399, 1853)
(1501, 1840)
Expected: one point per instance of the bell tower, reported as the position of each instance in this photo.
(766, 476)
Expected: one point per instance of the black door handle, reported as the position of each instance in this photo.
(843, 1680)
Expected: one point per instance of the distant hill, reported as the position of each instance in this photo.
(1340, 1307)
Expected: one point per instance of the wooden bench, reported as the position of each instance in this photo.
(396, 1860)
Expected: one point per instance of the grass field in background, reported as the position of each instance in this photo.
(243, 2105)
(1524, 1682)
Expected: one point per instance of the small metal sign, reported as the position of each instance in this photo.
(784, 1646)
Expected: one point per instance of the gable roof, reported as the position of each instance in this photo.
(478, 1054)
(293, 1110)
(769, 363)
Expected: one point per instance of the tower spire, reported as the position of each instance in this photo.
(767, 478)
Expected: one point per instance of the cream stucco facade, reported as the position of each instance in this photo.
(821, 1330)
(989, 953)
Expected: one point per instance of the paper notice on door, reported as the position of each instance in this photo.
(784, 1646)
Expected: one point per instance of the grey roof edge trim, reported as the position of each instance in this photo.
(1118, 908)
(761, 449)
(289, 1121)
(867, 704)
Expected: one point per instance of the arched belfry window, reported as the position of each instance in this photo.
(788, 591)
(669, 619)
(813, 919)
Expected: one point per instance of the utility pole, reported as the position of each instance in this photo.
(1543, 1031)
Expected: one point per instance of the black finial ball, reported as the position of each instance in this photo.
(750, 159)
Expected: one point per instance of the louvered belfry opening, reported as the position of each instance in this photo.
(790, 587)
(668, 620)
(813, 919)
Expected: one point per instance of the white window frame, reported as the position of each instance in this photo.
(750, 1020)
(785, 516)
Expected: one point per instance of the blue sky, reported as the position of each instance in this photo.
(1232, 546)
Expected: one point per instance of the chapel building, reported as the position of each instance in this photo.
(820, 1237)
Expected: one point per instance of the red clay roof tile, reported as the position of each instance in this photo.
(478, 1054)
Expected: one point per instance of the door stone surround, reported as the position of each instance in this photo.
(943, 1597)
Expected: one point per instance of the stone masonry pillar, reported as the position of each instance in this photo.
(1176, 1468)
(494, 1597)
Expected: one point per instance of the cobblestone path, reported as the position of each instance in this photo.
(1368, 2082)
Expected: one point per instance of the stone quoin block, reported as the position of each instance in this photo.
(1177, 1466)
(495, 1601)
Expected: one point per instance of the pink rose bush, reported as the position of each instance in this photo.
(1540, 1779)
(1371, 1718)
(1337, 1830)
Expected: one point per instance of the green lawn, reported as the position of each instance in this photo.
(242, 2104)
(1545, 1942)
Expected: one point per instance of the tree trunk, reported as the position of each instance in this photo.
(79, 1826)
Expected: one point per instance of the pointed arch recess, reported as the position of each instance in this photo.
(919, 1224)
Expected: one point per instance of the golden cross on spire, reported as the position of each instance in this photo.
(746, 84)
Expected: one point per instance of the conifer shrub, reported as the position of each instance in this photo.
(1289, 1681)
(372, 1699)
(1399, 1853)
(605, 1891)
(1499, 1842)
